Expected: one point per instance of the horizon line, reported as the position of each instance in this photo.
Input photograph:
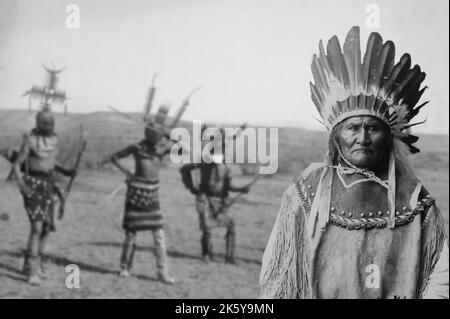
(260, 124)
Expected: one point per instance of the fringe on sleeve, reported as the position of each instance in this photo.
(285, 266)
(433, 239)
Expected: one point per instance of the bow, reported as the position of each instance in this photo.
(81, 149)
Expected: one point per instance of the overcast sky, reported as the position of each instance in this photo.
(252, 57)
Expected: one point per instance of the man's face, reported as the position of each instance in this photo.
(152, 136)
(363, 141)
(45, 123)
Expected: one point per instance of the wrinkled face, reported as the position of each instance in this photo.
(363, 141)
(45, 123)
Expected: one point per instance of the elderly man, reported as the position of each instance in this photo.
(360, 225)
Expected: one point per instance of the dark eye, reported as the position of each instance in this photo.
(373, 128)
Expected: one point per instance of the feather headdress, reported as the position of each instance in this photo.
(344, 86)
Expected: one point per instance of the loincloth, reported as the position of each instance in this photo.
(40, 203)
(142, 209)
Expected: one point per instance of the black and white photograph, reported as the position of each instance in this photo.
(236, 150)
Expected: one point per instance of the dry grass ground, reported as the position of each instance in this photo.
(90, 235)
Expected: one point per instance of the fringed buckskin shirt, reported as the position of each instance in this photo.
(355, 255)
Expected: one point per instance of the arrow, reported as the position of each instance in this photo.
(139, 121)
(233, 201)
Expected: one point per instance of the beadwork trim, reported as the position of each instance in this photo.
(304, 200)
(366, 223)
(370, 223)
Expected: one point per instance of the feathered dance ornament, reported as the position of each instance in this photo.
(160, 118)
(345, 87)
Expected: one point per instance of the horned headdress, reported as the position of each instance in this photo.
(47, 94)
(345, 87)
